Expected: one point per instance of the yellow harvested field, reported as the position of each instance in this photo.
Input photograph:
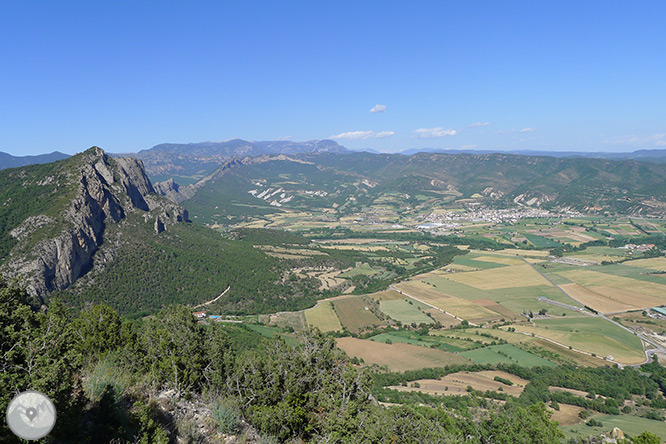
(505, 260)
(387, 295)
(526, 253)
(503, 277)
(441, 317)
(597, 258)
(457, 383)
(497, 308)
(629, 291)
(286, 256)
(462, 308)
(422, 291)
(358, 247)
(580, 393)
(398, 357)
(534, 260)
(591, 278)
(452, 267)
(323, 317)
(567, 414)
(595, 300)
(655, 263)
(350, 241)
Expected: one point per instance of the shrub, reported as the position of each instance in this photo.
(227, 417)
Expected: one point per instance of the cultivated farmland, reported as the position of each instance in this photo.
(398, 357)
(354, 313)
(457, 383)
(323, 317)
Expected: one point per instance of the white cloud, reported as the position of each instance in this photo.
(468, 147)
(527, 130)
(354, 135)
(378, 109)
(478, 124)
(431, 133)
(362, 135)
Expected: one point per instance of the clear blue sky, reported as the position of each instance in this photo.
(544, 75)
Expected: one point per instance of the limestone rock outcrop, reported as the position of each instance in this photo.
(107, 191)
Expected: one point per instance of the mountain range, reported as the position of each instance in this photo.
(9, 161)
(195, 160)
(348, 182)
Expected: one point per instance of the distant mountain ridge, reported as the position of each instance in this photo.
(352, 181)
(652, 155)
(199, 159)
(9, 161)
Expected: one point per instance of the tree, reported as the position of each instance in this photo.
(647, 438)
(174, 346)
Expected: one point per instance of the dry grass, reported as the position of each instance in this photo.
(580, 393)
(656, 263)
(323, 317)
(398, 357)
(497, 308)
(457, 306)
(441, 317)
(595, 300)
(526, 253)
(457, 383)
(294, 319)
(503, 277)
(505, 260)
(388, 295)
(567, 414)
(589, 278)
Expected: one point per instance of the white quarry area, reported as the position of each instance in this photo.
(274, 196)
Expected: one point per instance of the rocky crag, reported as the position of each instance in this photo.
(106, 190)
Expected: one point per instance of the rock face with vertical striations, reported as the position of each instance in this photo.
(51, 251)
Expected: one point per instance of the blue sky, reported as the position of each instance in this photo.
(542, 75)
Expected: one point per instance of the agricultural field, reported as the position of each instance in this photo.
(294, 319)
(500, 278)
(556, 353)
(457, 383)
(354, 313)
(630, 425)
(323, 317)
(613, 288)
(593, 335)
(655, 263)
(404, 312)
(398, 357)
(507, 354)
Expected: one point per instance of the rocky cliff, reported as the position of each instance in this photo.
(107, 190)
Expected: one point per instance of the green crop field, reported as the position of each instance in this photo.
(506, 353)
(590, 334)
(471, 262)
(402, 311)
(353, 314)
(541, 242)
(323, 317)
(361, 270)
(630, 425)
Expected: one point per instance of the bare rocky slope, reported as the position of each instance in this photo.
(52, 249)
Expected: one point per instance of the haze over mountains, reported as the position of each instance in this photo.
(9, 161)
